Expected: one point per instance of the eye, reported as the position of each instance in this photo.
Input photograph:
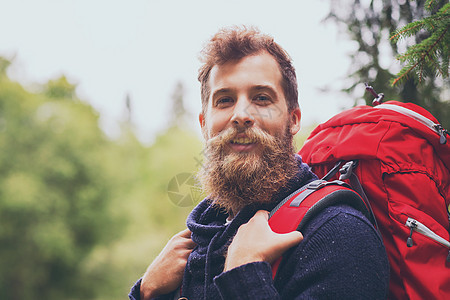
(262, 99)
(224, 102)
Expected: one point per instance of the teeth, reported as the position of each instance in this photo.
(242, 141)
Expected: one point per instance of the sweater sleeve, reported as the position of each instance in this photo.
(135, 293)
(340, 257)
(255, 282)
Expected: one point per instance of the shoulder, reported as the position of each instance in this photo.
(341, 253)
(345, 232)
(341, 218)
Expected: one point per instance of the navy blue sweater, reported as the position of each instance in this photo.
(341, 257)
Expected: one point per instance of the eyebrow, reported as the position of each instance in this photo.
(268, 89)
(221, 91)
(263, 87)
(256, 87)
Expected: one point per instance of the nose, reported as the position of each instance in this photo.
(242, 116)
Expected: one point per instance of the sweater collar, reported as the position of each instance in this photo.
(206, 220)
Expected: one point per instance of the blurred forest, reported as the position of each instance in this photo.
(82, 214)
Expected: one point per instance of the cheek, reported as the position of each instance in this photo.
(275, 124)
(215, 123)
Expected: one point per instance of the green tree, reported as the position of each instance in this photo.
(60, 88)
(178, 113)
(82, 215)
(371, 24)
(143, 176)
(55, 203)
(432, 53)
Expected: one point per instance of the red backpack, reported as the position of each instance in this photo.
(396, 156)
(296, 210)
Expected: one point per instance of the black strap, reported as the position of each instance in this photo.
(347, 173)
(333, 171)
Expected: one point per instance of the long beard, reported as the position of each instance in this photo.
(236, 179)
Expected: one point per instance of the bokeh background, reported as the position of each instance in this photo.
(99, 134)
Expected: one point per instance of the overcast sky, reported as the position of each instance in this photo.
(144, 47)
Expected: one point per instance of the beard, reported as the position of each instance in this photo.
(234, 180)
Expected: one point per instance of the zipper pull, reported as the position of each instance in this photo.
(442, 133)
(409, 241)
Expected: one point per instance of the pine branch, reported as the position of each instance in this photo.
(429, 4)
(400, 34)
(404, 73)
(431, 52)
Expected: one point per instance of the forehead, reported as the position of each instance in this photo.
(254, 70)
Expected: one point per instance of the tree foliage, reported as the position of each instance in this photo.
(178, 110)
(371, 23)
(60, 88)
(430, 54)
(55, 203)
(82, 215)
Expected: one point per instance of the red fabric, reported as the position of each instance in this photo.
(287, 218)
(282, 220)
(404, 171)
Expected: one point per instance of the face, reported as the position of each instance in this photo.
(248, 93)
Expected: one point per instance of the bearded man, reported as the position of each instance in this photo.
(250, 114)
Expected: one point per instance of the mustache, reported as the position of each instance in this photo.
(255, 134)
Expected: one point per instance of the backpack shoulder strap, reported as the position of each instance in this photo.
(298, 209)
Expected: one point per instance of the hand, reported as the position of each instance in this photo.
(165, 273)
(255, 241)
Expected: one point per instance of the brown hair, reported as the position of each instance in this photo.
(235, 43)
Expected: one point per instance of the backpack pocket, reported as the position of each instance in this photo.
(418, 236)
(417, 211)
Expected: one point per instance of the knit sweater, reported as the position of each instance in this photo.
(341, 257)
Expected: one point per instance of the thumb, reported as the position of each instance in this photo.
(288, 240)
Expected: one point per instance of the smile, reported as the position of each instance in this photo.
(242, 141)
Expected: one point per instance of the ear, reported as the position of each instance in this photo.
(296, 117)
(201, 119)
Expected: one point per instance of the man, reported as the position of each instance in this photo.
(250, 114)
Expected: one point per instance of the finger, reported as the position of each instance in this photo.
(185, 233)
(187, 241)
(190, 244)
(263, 214)
(291, 239)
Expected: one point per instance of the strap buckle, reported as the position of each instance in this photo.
(347, 169)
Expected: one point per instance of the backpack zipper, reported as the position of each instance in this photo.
(441, 131)
(420, 228)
